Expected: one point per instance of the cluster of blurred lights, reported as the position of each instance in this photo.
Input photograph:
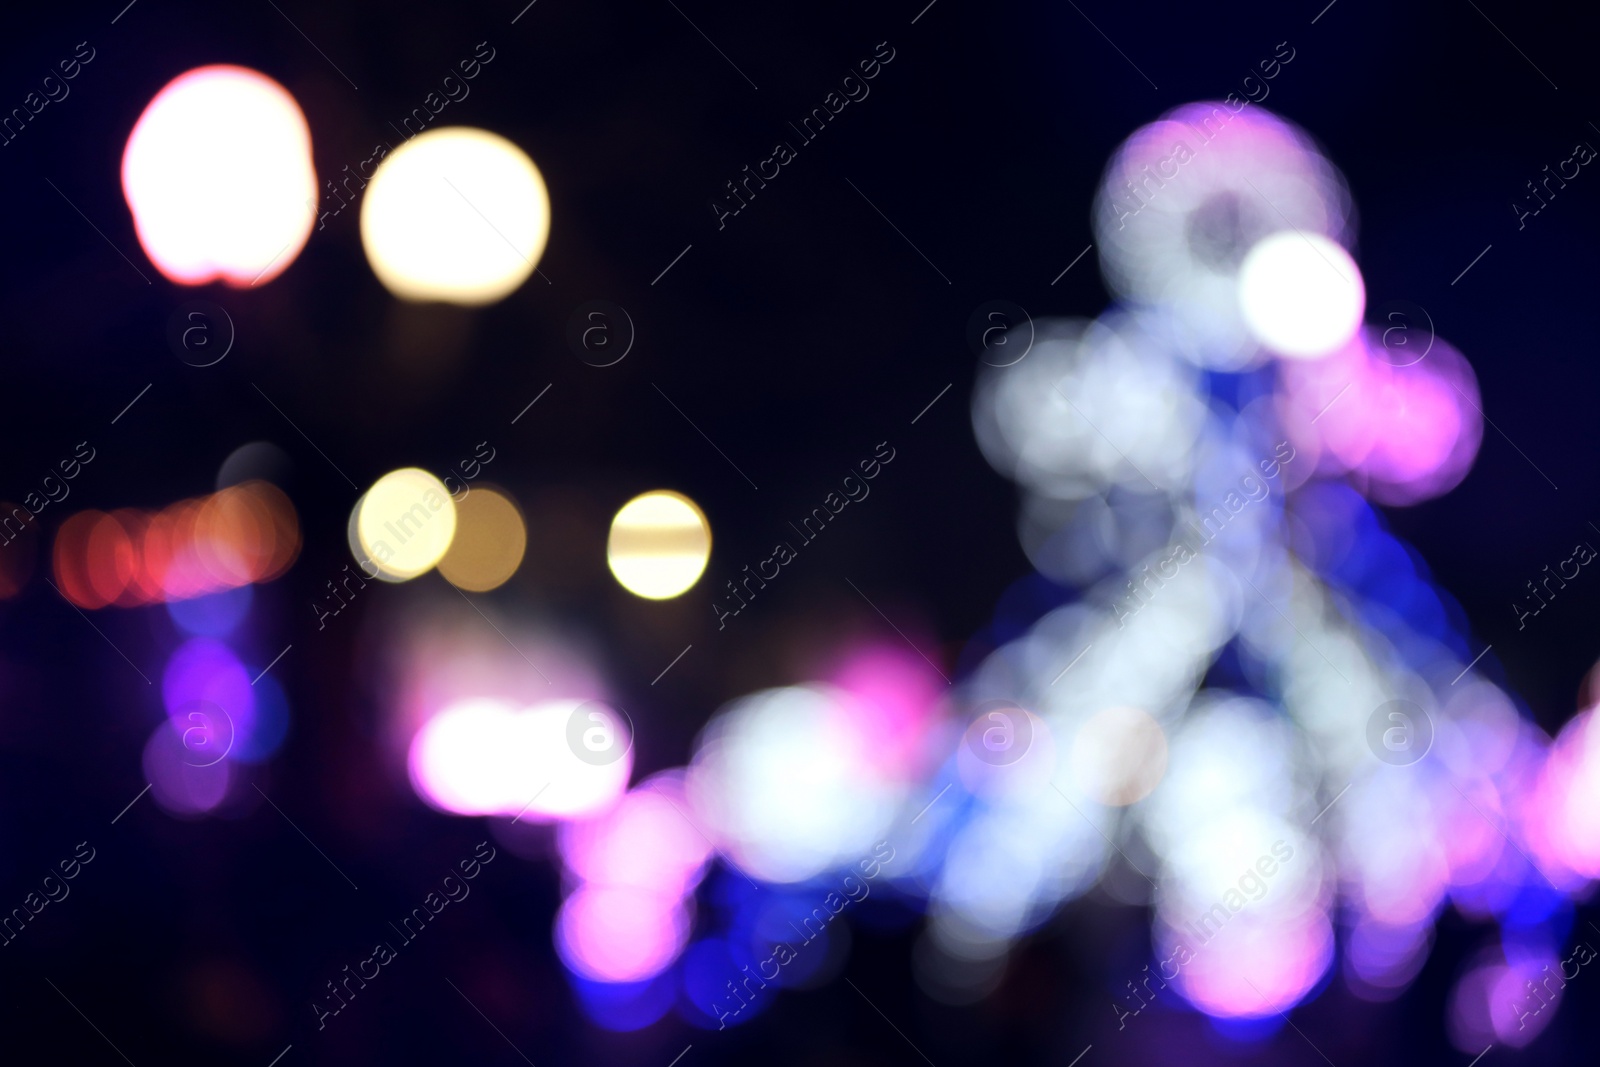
(1410, 432)
(407, 524)
(1239, 258)
(238, 535)
(217, 716)
(637, 867)
(219, 178)
(1092, 737)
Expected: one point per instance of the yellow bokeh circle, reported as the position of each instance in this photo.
(403, 525)
(659, 545)
(458, 215)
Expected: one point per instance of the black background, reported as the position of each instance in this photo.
(796, 338)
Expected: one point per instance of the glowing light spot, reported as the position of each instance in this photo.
(205, 671)
(214, 615)
(619, 933)
(404, 524)
(456, 214)
(180, 782)
(1301, 294)
(484, 757)
(1119, 756)
(218, 175)
(659, 545)
(645, 841)
(787, 782)
(1258, 967)
(489, 542)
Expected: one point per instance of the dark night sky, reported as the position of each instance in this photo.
(797, 338)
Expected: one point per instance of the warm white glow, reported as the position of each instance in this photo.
(455, 214)
(1301, 294)
(659, 545)
(404, 524)
(1119, 755)
(485, 757)
(218, 175)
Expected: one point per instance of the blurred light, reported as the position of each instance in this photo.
(1183, 200)
(659, 545)
(212, 615)
(243, 534)
(204, 669)
(951, 976)
(715, 986)
(485, 757)
(1568, 797)
(895, 694)
(1119, 756)
(787, 780)
(181, 782)
(1503, 997)
(1412, 431)
(646, 841)
(261, 460)
(1093, 405)
(218, 175)
(1381, 960)
(456, 214)
(1254, 967)
(1006, 751)
(268, 727)
(620, 933)
(1301, 294)
(404, 524)
(489, 542)
(624, 1006)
